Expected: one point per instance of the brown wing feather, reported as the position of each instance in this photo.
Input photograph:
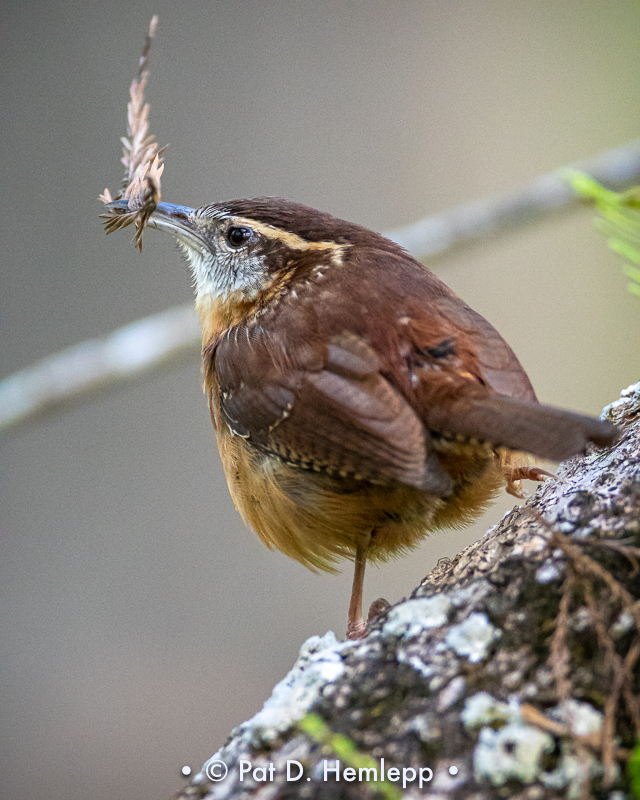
(400, 307)
(494, 359)
(327, 409)
(488, 396)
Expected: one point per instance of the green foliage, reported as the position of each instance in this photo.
(619, 220)
(346, 751)
(633, 770)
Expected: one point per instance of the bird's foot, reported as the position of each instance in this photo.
(357, 629)
(515, 475)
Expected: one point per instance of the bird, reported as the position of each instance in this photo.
(358, 403)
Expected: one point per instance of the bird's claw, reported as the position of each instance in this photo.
(515, 475)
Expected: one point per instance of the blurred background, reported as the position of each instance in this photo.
(141, 620)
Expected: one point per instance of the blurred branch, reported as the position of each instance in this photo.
(617, 169)
(95, 364)
(149, 343)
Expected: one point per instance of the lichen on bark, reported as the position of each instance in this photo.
(511, 670)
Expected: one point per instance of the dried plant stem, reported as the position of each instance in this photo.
(615, 662)
(632, 700)
(621, 676)
(559, 656)
(630, 553)
(532, 716)
(142, 158)
(616, 666)
(586, 566)
(581, 569)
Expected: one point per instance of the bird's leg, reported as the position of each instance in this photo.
(356, 627)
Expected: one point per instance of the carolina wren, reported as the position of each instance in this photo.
(358, 403)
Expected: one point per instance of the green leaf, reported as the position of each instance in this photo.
(633, 770)
(619, 220)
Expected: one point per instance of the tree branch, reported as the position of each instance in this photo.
(96, 364)
(453, 693)
(617, 169)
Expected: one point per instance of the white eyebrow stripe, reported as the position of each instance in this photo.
(292, 240)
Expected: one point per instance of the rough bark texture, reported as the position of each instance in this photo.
(512, 670)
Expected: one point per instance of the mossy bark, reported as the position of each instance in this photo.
(497, 675)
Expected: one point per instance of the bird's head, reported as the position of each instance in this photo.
(243, 253)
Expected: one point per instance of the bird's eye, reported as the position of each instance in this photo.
(237, 235)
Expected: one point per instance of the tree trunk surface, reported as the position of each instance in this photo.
(511, 671)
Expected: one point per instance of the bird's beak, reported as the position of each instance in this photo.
(175, 219)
